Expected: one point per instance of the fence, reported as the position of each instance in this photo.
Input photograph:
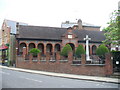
(68, 65)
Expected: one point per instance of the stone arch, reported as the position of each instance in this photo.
(41, 47)
(99, 45)
(21, 47)
(94, 47)
(31, 45)
(49, 48)
(72, 45)
(57, 47)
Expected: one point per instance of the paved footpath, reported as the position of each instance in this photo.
(72, 76)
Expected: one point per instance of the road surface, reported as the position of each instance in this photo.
(16, 79)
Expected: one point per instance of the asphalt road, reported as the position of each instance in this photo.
(16, 79)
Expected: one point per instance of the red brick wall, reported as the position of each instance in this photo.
(67, 66)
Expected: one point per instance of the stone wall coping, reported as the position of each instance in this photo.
(95, 64)
(34, 60)
(63, 60)
(77, 60)
(52, 60)
(43, 60)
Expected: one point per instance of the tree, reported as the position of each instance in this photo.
(101, 51)
(34, 51)
(112, 32)
(80, 50)
(66, 50)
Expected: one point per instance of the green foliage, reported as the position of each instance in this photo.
(112, 32)
(7, 44)
(80, 50)
(102, 50)
(34, 51)
(66, 50)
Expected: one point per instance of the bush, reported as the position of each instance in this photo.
(34, 51)
(101, 51)
(80, 50)
(66, 50)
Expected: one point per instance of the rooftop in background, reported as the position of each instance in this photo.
(12, 25)
(71, 24)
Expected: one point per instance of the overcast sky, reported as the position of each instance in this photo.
(54, 12)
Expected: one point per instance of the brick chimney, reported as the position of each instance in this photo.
(17, 28)
(79, 24)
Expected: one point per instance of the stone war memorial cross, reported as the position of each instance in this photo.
(87, 48)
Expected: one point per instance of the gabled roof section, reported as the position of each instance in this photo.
(39, 32)
(53, 33)
(96, 36)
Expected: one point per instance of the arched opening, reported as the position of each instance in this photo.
(49, 48)
(21, 48)
(57, 47)
(31, 45)
(41, 47)
(72, 46)
(94, 50)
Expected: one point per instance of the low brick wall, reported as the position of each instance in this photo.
(66, 66)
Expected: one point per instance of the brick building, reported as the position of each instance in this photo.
(52, 39)
(47, 39)
(7, 37)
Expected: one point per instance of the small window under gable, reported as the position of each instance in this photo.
(70, 36)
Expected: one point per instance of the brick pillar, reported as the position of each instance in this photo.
(90, 50)
(70, 57)
(83, 61)
(108, 64)
(44, 49)
(39, 57)
(57, 55)
(47, 56)
(16, 57)
(53, 49)
(30, 57)
(36, 46)
(27, 49)
(24, 52)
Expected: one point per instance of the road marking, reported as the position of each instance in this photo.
(31, 79)
(4, 73)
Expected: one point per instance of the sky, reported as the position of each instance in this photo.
(53, 12)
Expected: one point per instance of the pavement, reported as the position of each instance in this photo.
(71, 76)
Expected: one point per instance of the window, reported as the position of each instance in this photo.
(69, 36)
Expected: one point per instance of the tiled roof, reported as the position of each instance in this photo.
(53, 33)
